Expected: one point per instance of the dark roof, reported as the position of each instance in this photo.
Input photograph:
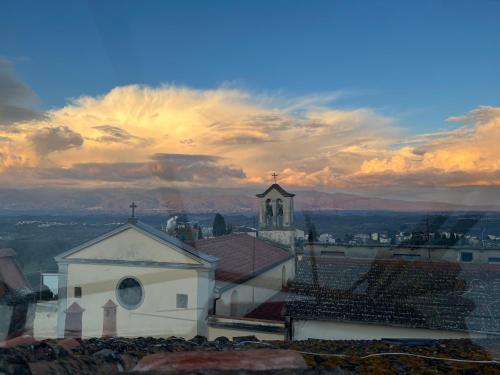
(272, 309)
(237, 262)
(278, 188)
(435, 295)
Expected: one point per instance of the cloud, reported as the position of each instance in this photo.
(114, 134)
(166, 167)
(48, 140)
(16, 98)
(243, 139)
(227, 136)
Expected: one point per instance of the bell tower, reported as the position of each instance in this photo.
(276, 215)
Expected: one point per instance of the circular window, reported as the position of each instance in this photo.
(129, 293)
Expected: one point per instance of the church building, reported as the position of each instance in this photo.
(137, 280)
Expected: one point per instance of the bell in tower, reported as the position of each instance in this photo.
(276, 215)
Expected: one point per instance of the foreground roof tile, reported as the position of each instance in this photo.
(262, 359)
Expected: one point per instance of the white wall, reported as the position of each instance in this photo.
(255, 291)
(328, 330)
(234, 327)
(45, 324)
(133, 245)
(157, 316)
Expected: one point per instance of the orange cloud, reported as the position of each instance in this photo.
(113, 139)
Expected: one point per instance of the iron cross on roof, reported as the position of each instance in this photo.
(274, 176)
(133, 206)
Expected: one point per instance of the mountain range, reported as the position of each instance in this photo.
(106, 200)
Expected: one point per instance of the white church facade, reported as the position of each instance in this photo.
(139, 281)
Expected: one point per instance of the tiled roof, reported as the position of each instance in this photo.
(277, 187)
(435, 295)
(240, 257)
(272, 309)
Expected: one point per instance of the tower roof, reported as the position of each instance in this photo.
(278, 188)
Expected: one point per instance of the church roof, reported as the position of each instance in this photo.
(149, 231)
(241, 257)
(278, 188)
(416, 294)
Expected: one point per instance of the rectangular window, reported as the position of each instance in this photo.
(494, 260)
(466, 257)
(182, 301)
(78, 292)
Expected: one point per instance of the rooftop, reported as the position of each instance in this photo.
(278, 188)
(433, 295)
(240, 257)
(246, 354)
(272, 309)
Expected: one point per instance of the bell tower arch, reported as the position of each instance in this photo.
(276, 215)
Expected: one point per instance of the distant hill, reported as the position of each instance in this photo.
(199, 201)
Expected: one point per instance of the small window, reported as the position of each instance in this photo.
(494, 260)
(78, 292)
(466, 257)
(182, 301)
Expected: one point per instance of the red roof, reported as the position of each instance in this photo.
(240, 256)
(272, 309)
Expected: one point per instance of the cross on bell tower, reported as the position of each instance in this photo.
(274, 176)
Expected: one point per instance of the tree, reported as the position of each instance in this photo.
(229, 229)
(200, 233)
(312, 235)
(219, 225)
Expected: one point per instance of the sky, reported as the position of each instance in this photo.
(370, 96)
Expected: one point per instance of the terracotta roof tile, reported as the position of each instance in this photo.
(272, 309)
(240, 256)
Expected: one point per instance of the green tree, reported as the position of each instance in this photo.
(200, 233)
(229, 229)
(219, 225)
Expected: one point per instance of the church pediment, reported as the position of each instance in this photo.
(137, 243)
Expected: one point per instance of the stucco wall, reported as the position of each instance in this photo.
(156, 316)
(255, 291)
(45, 324)
(133, 245)
(284, 237)
(302, 330)
(233, 327)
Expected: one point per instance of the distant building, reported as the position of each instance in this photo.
(326, 238)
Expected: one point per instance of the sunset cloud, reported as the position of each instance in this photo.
(171, 135)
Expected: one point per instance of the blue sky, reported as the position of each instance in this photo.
(419, 61)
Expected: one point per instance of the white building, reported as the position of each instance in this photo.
(139, 281)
